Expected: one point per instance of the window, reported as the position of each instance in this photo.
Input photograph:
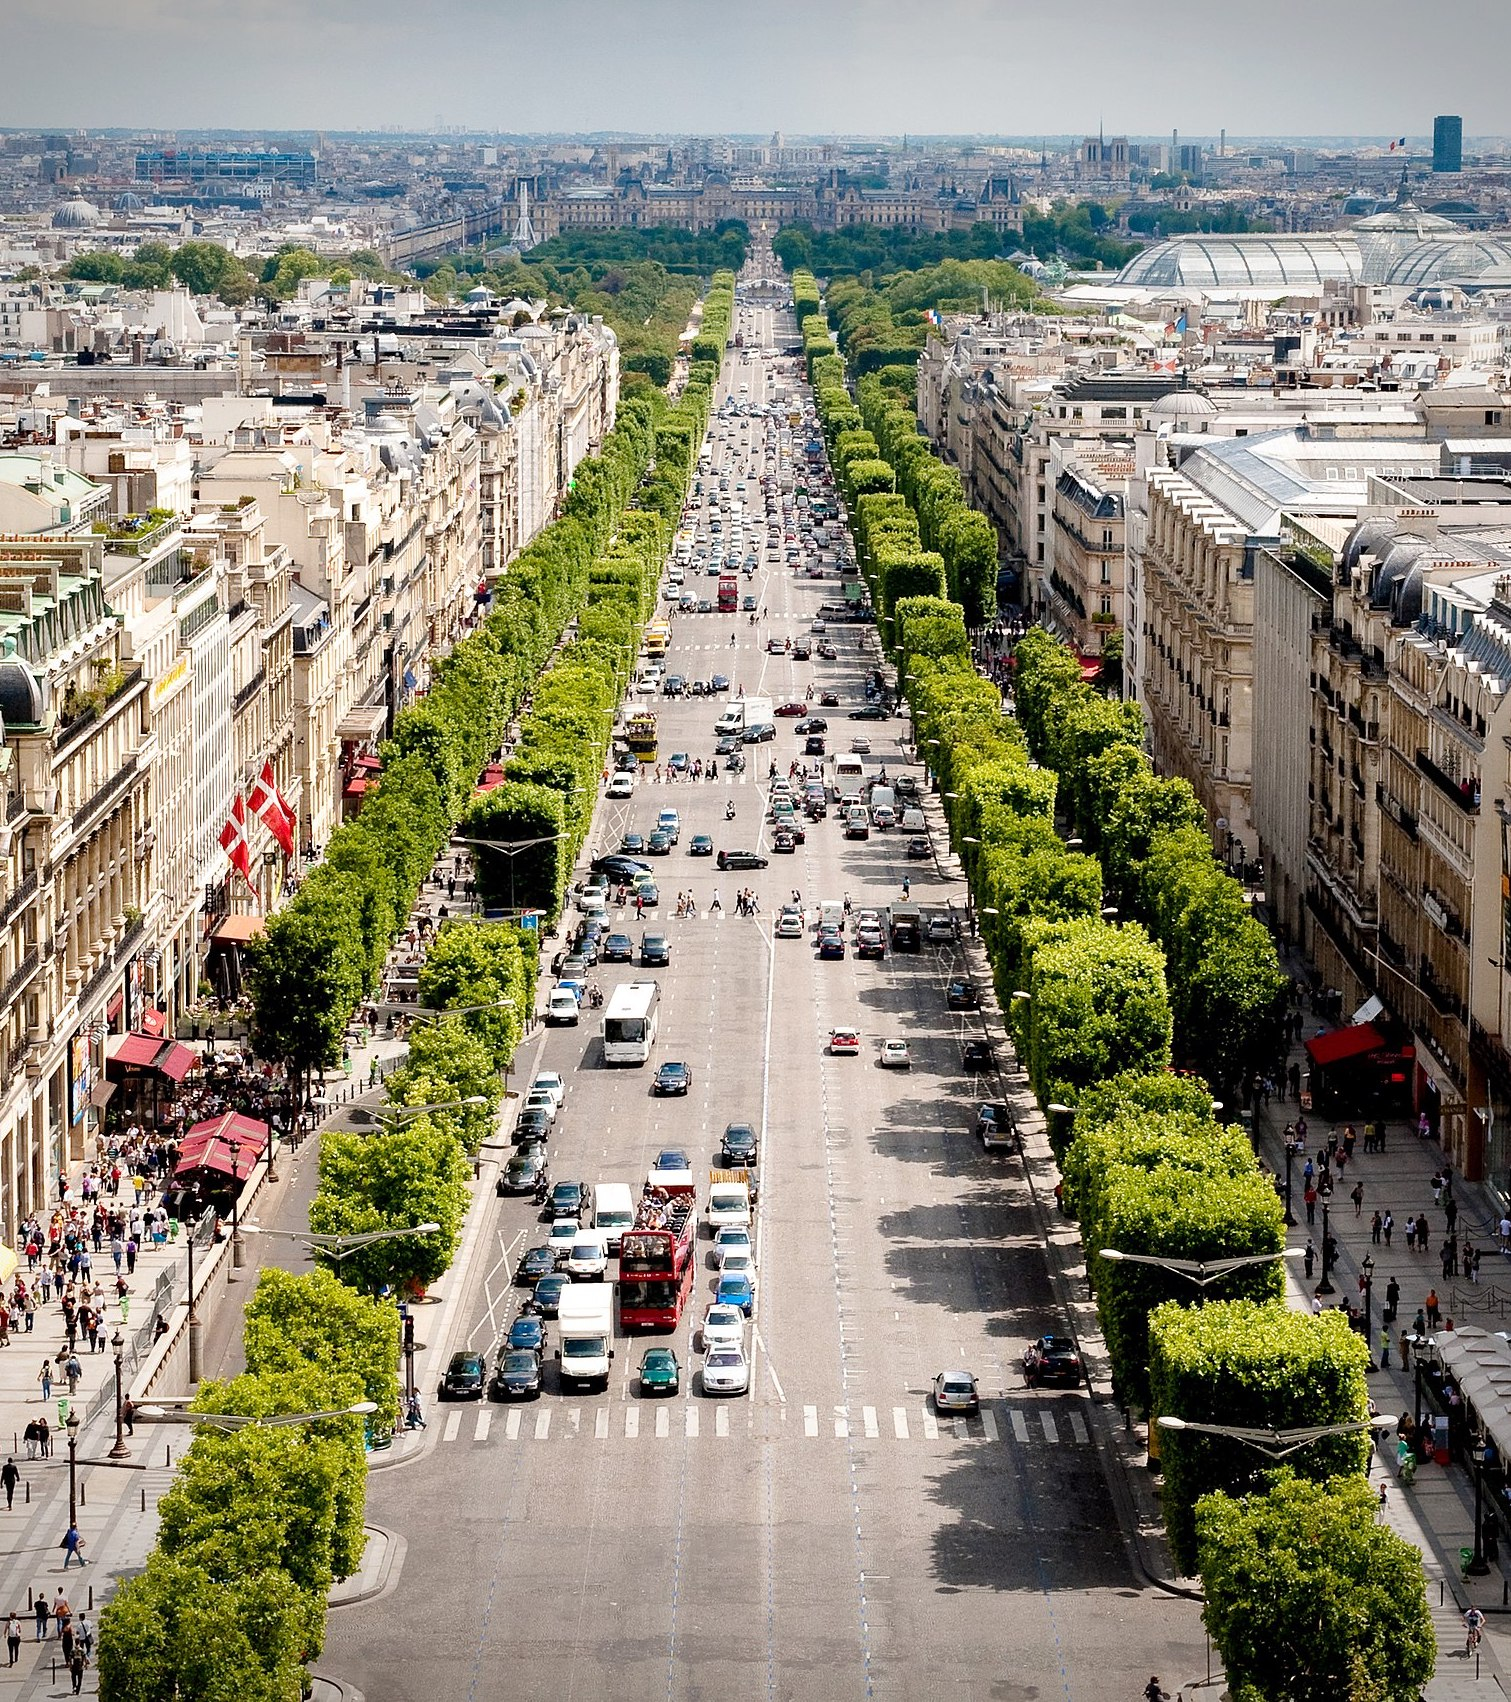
(1106, 572)
(1106, 605)
(1114, 413)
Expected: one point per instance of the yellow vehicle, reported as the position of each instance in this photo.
(657, 637)
(640, 734)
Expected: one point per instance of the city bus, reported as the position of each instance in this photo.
(640, 735)
(629, 1022)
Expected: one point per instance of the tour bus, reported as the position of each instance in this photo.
(629, 1022)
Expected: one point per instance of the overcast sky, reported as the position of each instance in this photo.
(1282, 67)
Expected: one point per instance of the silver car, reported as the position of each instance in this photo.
(956, 1391)
(726, 1371)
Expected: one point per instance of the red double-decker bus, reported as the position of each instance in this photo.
(729, 592)
(658, 1258)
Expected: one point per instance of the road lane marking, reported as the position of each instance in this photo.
(900, 1423)
(574, 1420)
(868, 1414)
(1047, 1418)
(484, 1419)
(631, 1423)
(841, 1422)
(692, 1422)
(721, 1421)
(511, 1425)
(1078, 1428)
(453, 1425)
(543, 1425)
(663, 1422)
(810, 1421)
(930, 1427)
(600, 1424)
(1020, 1425)
(989, 1424)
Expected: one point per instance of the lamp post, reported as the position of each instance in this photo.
(1273, 1442)
(244, 1421)
(510, 848)
(71, 1426)
(194, 1230)
(1477, 1565)
(1202, 1272)
(1367, 1275)
(407, 1113)
(236, 1250)
(337, 1248)
(120, 1451)
(1290, 1158)
(1326, 1285)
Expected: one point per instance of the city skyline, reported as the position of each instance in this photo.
(671, 66)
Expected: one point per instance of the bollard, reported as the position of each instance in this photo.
(91, 1598)
(28, 1494)
(167, 1455)
(83, 1499)
(144, 1500)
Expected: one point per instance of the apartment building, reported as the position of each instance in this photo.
(1084, 584)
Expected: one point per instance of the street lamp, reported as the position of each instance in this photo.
(71, 1425)
(120, 1451)
(407, 1113)
(1275, 1443)
(1202, 1272)
(510, 848)
(1328, 1249)
(236, 1250)
(1367, 1275)
(207, 1216)
(339, 1247)
(424, 1013)
(246, 1421)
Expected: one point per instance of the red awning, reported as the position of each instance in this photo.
(216, 1155)
(154, 1022)
(369, 762)
(176, 1061)
(1343, 1043)
(355, 787)
(136, 1051)
(113, 1009)
(229, 1126)
(1090, 668)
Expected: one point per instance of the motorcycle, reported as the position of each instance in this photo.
(729, 811)
(595, 996)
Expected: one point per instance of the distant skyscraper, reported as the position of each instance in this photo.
(1447, 143)
(524, 230)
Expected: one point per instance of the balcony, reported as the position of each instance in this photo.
(24, 970)
(83, 709)
(1465, 793)
(1397, 811)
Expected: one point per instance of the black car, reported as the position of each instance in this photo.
(962, 996)
(1052, 1359)
(726, 744)
(464, 1378)
(516, 1377)
(760, 734)
(813, 745)
(719, 683)
(977, 1055)
(812, 724)
(523, 1173)
(618, 948)
(918, 849)
(674, 685)
(742, 860)
(655, 953)
(994, 1126)
(619, 867)
(533, 1126)
(739, 1146)
(672, 1078)
(548, 1293)
(871, 712)
(534, 1263)
(632, 844)
(567, 1199)
(527, 1334)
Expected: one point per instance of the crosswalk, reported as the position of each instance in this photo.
(692, 1420)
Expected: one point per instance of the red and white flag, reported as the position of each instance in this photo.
(233, 839)
(266, 803)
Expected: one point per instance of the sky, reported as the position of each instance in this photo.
(825, 67)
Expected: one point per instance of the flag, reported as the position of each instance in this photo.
(1399, 144)
(1180, 325)
(266, 803)
(932, 315)
(233, 839)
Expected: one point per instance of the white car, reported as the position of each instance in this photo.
(844, 1042)
(621, 785)
(895, 1055)
(738, 1262)
(587, 1258)
(723, 1326)
(541, 1099)
(563, 1238)
(726, 1371)
(732, 1238)
(562, 1010)
(548, 1081)
(789, 923)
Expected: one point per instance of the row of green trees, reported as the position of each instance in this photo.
(260, 1521)
(207, 268)
(1147, 1168)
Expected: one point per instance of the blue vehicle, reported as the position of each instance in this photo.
(526, 1334)
(736, 1289)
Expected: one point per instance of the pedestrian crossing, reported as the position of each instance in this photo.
(693, 1420)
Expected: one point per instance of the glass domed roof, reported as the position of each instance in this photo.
(1244, 262)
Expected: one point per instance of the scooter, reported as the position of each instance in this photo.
(729, 811)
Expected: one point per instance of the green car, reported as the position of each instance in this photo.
(660, 1373)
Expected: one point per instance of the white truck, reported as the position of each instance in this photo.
(585, 1330)
(613, 1211)
(728, 1199)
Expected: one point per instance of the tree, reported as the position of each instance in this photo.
(294, 1322)
(286, 270)
(447, 1061)
(1310, 1598)
(205, 268)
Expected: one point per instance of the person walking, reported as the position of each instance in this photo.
(1385, 1348)
(1387, 1225)
(1309, 1257)
(73, 1371)
(10, 1476)
(78, 1662)
(44, 1377)
(1392, 1300)
(1430, 1307)
(1404, 1344)
(13, 1637)
(74, 1543)
(43, 1613)
(1376, 1224)
(1357, 1196)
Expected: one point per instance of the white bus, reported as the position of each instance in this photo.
(629, 1023)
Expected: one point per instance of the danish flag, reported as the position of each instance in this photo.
(266, 803)
(233, 839)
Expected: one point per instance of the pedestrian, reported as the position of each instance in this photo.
(714, 904)
(907, 887)
(1450, 1212)
(1474, 1274)
(1392, 1300)
(1424, 1235)
(1379, 1134)
(77, 1662)
(1448, 1258)
(1424, 1127)
(1309, 1257)
(43, 1613)
(73, 1371)
(1430, 1307)
(1387, 1225)
(13, 1637)
(1411, 1234)
(1357, 1196)
(74, 1543)
(44, 1377)
(131, 1255)
(1376, 1224)
(1437, 1187)
(1505, 1234)
(10, 1476)
(44, 1437)
(128, 1415)
(62, 1613)
(86, 1636)
(1310, 1197)
(1404, 1344)
(1385, 1349)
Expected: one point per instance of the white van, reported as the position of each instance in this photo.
(831, 914)
(613, 1211)
(912, 820)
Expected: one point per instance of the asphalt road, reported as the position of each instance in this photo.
(829, 1535)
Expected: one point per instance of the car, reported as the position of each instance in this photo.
(588, 1258)
(671, 1158)
(775, 647)
(720, 682)
(802, 651)
(726, 1371)
(647, 895)
(977, 1055)
(829, 699)
(895, 1055)
(531, 1127)
(870, 712)
(813, 724)
(523, 1172)
(731, 1237)
(679, 762)
(917, 849)
(814, 745)
(956, 1391)
(828, 652)
(672, 1077)
(940, 930)
(785, 818)
(659, 844)
(655, 953)
(673, 685)
(747, 604)
(659, 1372)
(742, 860)
(705, 606)
(961, 995)
(464, 1379)
(541, 1099)
(789, 923)
(563, 1236)
(831, 944)
(547, 1296)
(844, 1042)
(589, 934)
(618, 867)
(621, 785)
(783, 840)
(740, 1261)
(618, 948)
(740, 1145)
(727, 745)
(700, 845)
(736, 1290)
(534, 1263)
(759, 735)
(871, 943)
(793, 708)
(549, 1081)
(573, 967)
(723, 1326)
(527, 1334)
(1052, 1359)
(995, 1128)
(516, 1377)
(567, 1199)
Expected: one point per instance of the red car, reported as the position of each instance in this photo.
(790, 709)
